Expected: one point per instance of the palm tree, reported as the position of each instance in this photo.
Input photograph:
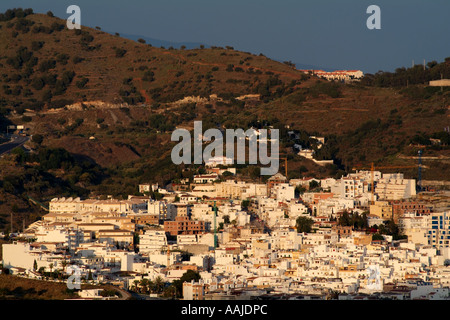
(151, 286)
(159, 284)
(144, 285)
(170, 292)
(136, 282)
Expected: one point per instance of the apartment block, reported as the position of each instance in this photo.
(183, 225)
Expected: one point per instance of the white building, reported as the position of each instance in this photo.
(283, 192)
(337, 75)
(71, 205)
(152, 241)
(306, 153)
(206, 178)
(240, 190)
(204, 190)
(68, 237)
(331, 206)
(215, 161)
(147, 187)
(415, 227)
(297, 209)
(24, 255)
(350, 187)
(187, 198)
(395, 187)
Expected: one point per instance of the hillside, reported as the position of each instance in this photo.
(44, 64)
(105, 108)
(21, 288)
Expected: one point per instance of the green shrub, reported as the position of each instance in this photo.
(82, 83)
(120, 52)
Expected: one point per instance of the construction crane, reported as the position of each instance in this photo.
(285, 166)
(373, 168)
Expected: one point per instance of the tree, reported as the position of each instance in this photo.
(47, 65)
(188, 276)
(35, 266)
(144, 284)
(377, 236)
(38, 138)
(135, 285)
(171, 291)
(300, 189)
(354, 220)
(120, 52)
(64, 265)
(390, 228)
(304, 224)
(313, 185)
(37, 83)
(158, 284)
(178, 288)
(82, 82)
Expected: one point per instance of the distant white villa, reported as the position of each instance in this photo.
(215, 161)
(346, 75)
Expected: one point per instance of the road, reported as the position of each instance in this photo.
(16, 141)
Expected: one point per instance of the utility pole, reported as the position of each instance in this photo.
(215, 231)
(215, 227)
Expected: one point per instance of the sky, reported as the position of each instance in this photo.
(331, 34)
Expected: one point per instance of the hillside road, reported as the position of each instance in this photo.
(16, 141)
